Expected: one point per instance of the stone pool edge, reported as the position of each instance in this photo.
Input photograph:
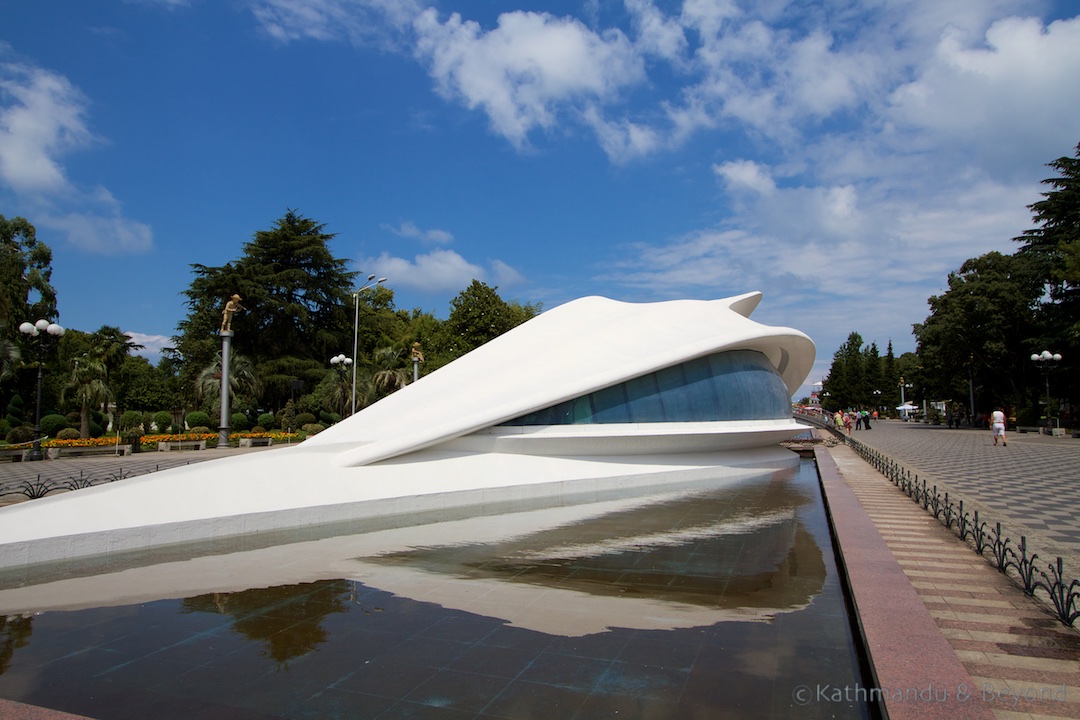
(907, 649)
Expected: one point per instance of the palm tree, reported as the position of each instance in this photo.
(241, 378)
(87, 388)
(388, 371)
(111, 346)
(9, 358)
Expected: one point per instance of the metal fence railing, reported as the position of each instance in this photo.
(985, 536)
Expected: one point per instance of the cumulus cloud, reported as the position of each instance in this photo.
(440, 270)
(527, 69)
(746, 174)
(1004, 95)
(43, 118)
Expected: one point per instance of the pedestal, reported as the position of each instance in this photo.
(226, 413)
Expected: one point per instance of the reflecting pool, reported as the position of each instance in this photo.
(713, 603)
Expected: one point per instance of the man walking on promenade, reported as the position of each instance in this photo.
(997, 425)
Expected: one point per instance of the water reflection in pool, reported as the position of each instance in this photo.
(712, 604)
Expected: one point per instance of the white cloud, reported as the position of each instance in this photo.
(152, 344)
(747, 174)
(42, 118)
(409, 229)
(528, 69)
(362, 22)
(623, 140)
(105, 234)
(656, 34)
(1008, 97)
(439, 270)
(505, 276)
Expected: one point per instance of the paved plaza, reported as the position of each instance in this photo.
(16, 476)
(1029, 485)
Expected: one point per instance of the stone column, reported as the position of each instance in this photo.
(226, 415)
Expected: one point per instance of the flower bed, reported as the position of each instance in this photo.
(152, 440)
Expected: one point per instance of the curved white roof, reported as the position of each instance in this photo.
(569, 351)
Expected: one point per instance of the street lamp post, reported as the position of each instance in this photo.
(903, 401)
(371, 282)
(36, 330)
(1043, 360)
(345, 362)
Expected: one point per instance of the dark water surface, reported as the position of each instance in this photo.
(724, 603)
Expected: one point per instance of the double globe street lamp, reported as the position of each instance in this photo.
(1043, 360)
(341, 363)
(39, 330)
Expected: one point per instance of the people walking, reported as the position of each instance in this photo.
(997, 425)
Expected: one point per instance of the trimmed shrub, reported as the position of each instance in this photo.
(303, 419)
(68, 433)
(21, 434)
(287, 417)
(15, 411)
(258, 429)
(52, 424)
(130, 419)
(239, 422)
(162, 421)
(197, 419)
(312, 428)
(268, 421)
(328, 419)
(73, 418)
(5, 426)
(200, 430)
(96, 430)
(147, 422)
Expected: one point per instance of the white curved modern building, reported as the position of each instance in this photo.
(590, 400)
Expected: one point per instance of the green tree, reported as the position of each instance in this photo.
(142, 386)
(112, 347)
(388, 371)
(845, 385)
(1055, 240)
(26, 291)
(87, 388)
(297, 297)
(478, 314)
(981, 330)
(242, 381)
(1057, 232)
(9, 358)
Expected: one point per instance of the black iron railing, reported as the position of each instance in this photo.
(989, 541)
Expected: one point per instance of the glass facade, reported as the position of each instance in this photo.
(733, 385)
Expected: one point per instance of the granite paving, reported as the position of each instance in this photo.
(1030, 484)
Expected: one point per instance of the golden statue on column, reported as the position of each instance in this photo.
(231, 307)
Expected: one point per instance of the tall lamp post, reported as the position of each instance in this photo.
(1043, 360)
(36, 330)
(903, 401)
(371, 282)
(345, 362)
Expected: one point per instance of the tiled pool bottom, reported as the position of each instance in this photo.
(718, 604)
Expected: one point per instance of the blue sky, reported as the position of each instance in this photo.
(841, 156)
